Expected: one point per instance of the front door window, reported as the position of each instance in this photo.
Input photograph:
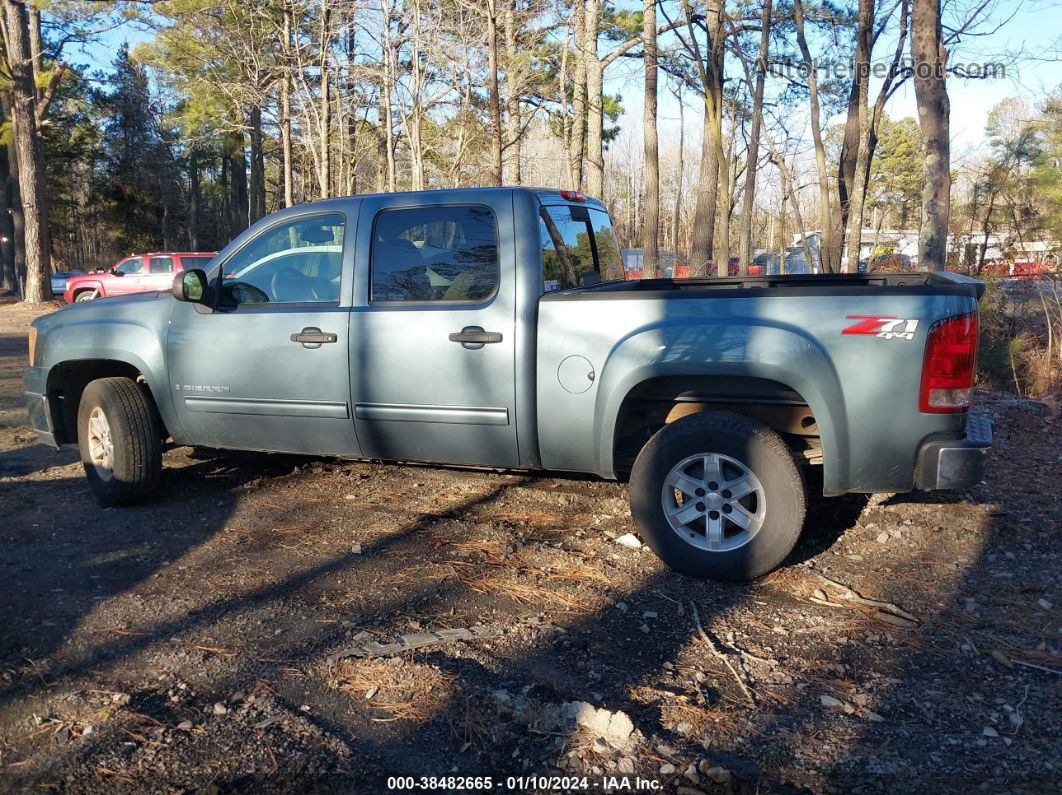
(299, 261)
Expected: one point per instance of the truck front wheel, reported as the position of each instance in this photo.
(120, 441)
(718, 495)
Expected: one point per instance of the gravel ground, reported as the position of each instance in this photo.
(210, 641)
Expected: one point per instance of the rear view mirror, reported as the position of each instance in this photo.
(190, 286)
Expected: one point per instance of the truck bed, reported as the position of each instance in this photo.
(810, 336)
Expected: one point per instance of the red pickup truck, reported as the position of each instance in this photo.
(138, 273)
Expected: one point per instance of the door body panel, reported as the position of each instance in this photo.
(133, 273)
(159, 273)
(240, 381)
(417, 394)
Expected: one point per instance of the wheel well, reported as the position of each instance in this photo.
(68, 380)
(654, 403)
(88, 289)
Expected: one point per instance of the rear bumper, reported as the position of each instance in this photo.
(40, 414)
(955, 463)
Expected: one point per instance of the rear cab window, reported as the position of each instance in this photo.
(579, 247)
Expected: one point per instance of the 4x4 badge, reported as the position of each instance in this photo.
(886, 327)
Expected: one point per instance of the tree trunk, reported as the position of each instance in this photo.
(28, 152)
(595, 121)
(36, 41)
(385, 106)
(493, 98)
(578, 127)
(857, 196)
(238, 172)
(714, 106)
(931, 94)
(325, 176)
(982, 250)
(8, 245)
(256, 190)
(677, 220)
(651, 208)
(285, 118)
(704, 211)
(748, 203)
(193, 200)
(513, 120)
(829, 252)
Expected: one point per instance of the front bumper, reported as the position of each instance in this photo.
(955, 463)
(40, 414)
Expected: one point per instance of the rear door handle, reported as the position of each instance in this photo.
(313, 337)
(474, 337)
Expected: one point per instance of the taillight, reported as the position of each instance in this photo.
(949, 366)
(572, 196)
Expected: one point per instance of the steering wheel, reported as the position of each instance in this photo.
(244, 293)
(288, 284)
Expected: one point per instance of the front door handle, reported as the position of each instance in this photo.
(313, 337)
(474, 337)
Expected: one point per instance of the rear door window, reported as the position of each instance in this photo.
(160, 265)
(445, 254)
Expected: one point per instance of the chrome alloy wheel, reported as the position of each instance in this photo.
(713, 502)
(100, 445)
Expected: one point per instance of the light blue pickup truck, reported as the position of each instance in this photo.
(490, 327)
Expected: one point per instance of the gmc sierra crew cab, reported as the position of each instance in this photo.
(492, 328)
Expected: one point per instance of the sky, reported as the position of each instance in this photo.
(1028, 42)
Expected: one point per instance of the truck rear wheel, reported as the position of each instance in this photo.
(718, 495)
(120, 441)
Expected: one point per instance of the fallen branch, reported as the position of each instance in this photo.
(1037, 667)
(851, 595)
(721, 656)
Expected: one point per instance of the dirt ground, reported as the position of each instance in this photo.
(197, 643)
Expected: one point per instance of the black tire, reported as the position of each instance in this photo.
(757, 448)
(135, 438)
(85, 295)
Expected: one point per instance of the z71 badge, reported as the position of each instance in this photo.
(886, 327)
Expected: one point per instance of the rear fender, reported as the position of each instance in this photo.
(785, 354)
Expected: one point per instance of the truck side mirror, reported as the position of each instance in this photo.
(190, 286)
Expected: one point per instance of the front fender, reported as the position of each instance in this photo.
(726, 348)
(131, 331)
(88, 284)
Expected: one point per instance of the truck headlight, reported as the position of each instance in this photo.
(32, 345)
